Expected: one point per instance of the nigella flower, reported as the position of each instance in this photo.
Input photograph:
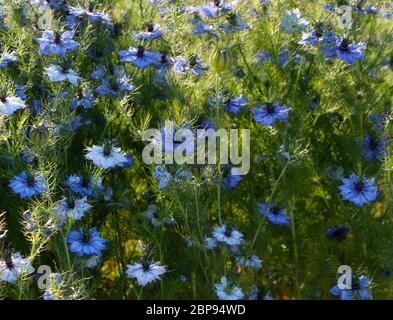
(145, 273)
(271, 113)
(346, 51)
(106, 156)
(13, 266)
(153, 32)
(116, 84)
(227, 291)
(89, 13)
(232, 178)
(293, 22)
(373, 148)
(86, 242)
(75, 208)
(253, 262)
(151, 214)
(55, 42)
(140, 57)
(329, 7)
(200, 28)
(232, 104)
(6, 58)
(359, 289)
(210, 243)
(212, 8)
(314, 37)
(264, 56)
(358, 190)
(57, 74)
(83, 98)
(85, 185)
(378, 120)
(9, 104)
(276, 215)
(236, 23)
(28, 185)
(228, 235)
(337, 233)
(193, 65)
(161, 173)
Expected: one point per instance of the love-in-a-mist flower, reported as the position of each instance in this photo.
(151, 214)
(231, 178)
(56, 42)
(228, 235)
(271, 113)
(373, 148)
(346, 51)
(193, 65)
(337, 233)
(276, 215)
(85, 185)
(253, 262)
(292, 21)
(89, 12)
(6, 58)
(358, 190)
(57, 73)
(83, 98)
(145, 273)
(228, 291)
(153, 31)
(140, 57)
(28, 185)
(86, 242)
(359, 289)
(13, 266)
(212, 8)
(106, 156)
(71, 207)
(9, 104)
(232, 104)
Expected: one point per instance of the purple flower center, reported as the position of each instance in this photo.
(275, 210)
(146, 267)
(270, 109)
(30, 180)
(359, 186)
(86, 237)
(107, 150)
(150, 27)
(70, 203)
(9, 263)
(57, 38)
(140, 51)
(228, 232)
(3, 99)
(344, 45)
(373, 145)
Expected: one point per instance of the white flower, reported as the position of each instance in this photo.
(225, 291)
(8, 105)
(293, 22)
(75, 208)
(57, 74)
(105, 156)
(145, 273)
(227, 235)
(11, 268)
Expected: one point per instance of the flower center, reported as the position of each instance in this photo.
(373, 143)
(86, 237)
(275, 210)
(30, 180)
(270, 109)
(146, 267)
(163, 59)
(57, 38)
(344, 45)
(9, 263)
(107, 150)
(228, 232)
(3, 99)
(359, 186)
(150, 27)
(140, 52)
(70, 203)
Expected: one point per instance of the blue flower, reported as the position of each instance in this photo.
(27, 185)
(86, 242)
(275, 214)
(373, 148)
(57, 43)
(6, 58)
(85, 186)
(57, 73)
(337, 233)
(116, 86)
(153, 32)
(89, 13)
(83, 98)
(358, 190)
(212, 8)
(193, 65)
(270, 113)
(232, 178)
(359, 289)
(232, 104)
(346, 51)
(140, 57)
(264, 56)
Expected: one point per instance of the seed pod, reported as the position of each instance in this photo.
(221, 59)
(39, 135)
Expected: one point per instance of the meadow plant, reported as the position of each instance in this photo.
(83, 216)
